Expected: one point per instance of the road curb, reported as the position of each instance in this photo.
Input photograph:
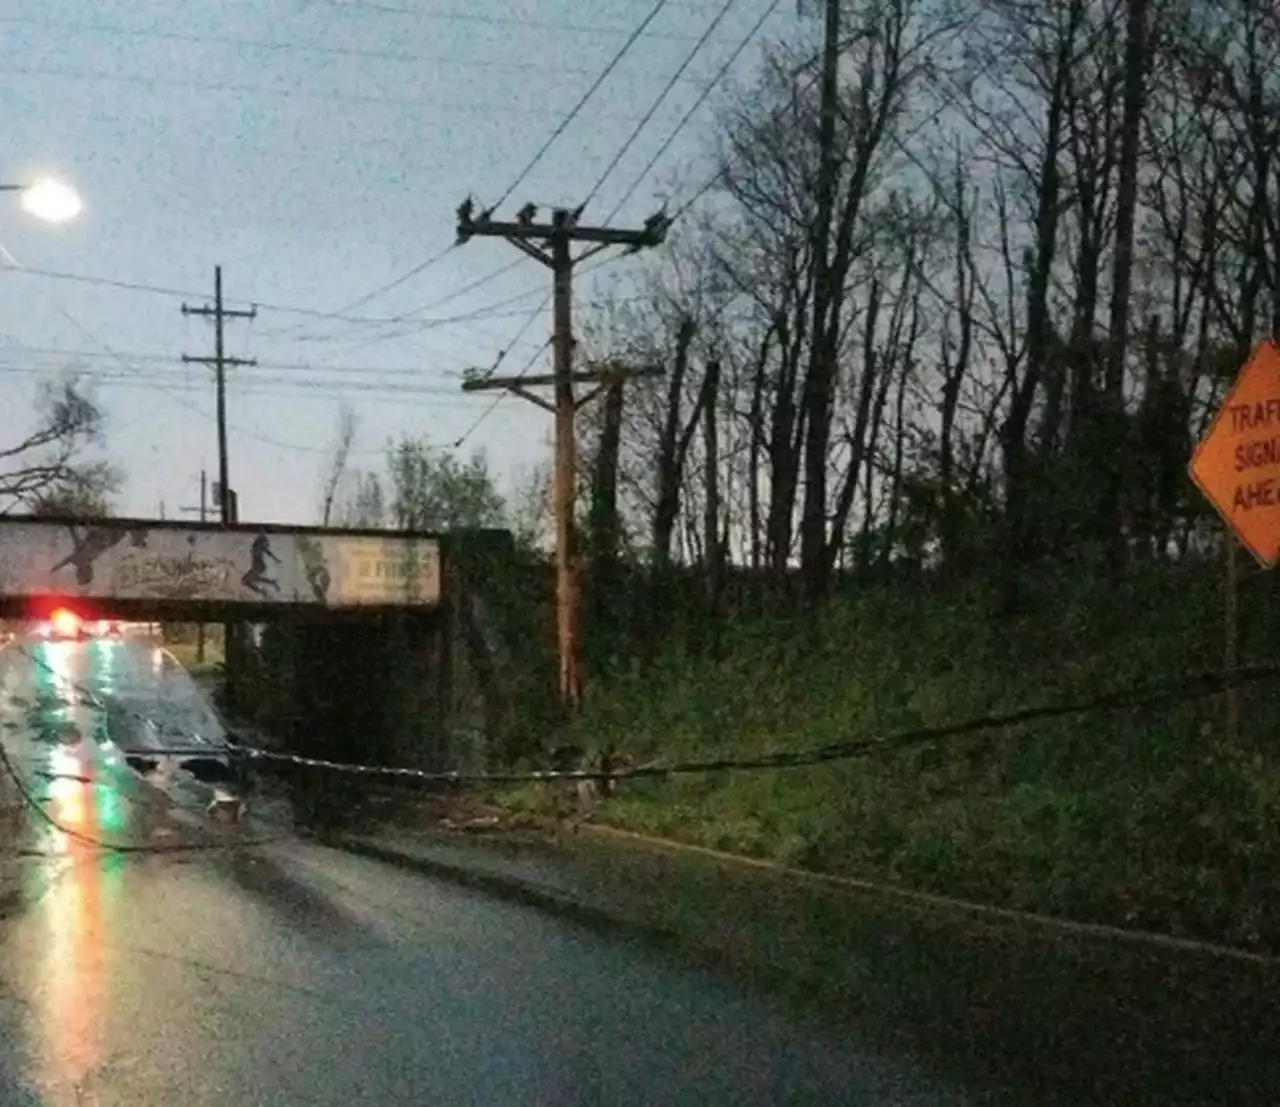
(913, 899)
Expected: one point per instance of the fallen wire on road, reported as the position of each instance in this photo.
(1191, 686)
(33, 802)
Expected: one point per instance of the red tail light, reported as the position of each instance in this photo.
(64, 621)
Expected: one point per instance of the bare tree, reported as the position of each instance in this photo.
(338, 460)
(49, 461)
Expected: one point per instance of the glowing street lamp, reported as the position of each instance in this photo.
(47, 199)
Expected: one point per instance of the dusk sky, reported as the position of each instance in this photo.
(317, 150)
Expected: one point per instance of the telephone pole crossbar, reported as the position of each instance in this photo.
(220, 362)
(551, 244)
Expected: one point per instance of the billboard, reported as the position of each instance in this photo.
(154, 561)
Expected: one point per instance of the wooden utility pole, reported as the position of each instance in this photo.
(203, 509)
(220, 363)
(552, 245)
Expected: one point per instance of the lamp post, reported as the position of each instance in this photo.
(47, 199)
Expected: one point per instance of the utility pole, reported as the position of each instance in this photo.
(203, 509)
(551, 244)
(220, 363)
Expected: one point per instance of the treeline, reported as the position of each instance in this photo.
(966, 306)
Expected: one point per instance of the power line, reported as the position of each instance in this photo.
(486, 312)
(381, 290)
(405, 317)
(495, 20)
(515, 338)
(281, 384)
(595, 86)
(524, 372)
(702, 98)
(159, 359)
(284, 309)
(429, 324)
(1189, 687)
(291, 309)
(261, 92)
(272, 45)
(657, 103)
(480, 282)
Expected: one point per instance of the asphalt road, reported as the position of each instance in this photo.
(264, 969)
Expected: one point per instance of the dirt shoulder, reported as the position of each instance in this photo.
(1053, 1015)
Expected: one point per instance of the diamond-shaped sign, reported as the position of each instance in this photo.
(1237, 464)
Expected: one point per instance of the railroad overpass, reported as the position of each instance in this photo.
(368, 614)
(190, 572)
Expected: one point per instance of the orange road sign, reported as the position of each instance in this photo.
(1237, 464)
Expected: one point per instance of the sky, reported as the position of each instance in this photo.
(317, 150)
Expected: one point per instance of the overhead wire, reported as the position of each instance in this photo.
(480, 419)
(380, 290)
(277, 45)
(630, 140)
(159, 359)
(497, 364)
(720, 74)
(170, 290)
(591, 91)
(360, 343)
(141, 376)
(486, 19)
(260, 92)
(470, 286)
(292, 309)
(1186, 688)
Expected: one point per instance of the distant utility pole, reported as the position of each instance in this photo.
(551, 243)
(203, 509)
(220, 362)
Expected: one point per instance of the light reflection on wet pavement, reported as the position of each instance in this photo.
(283, 973)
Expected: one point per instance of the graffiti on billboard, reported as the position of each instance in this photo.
(157, 562)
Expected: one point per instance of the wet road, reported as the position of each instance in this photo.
(273, 971)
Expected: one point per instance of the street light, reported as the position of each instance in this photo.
(47, 199)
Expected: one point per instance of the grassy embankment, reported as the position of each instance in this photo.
(1140, 817)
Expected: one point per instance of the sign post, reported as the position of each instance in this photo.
(1237, 467)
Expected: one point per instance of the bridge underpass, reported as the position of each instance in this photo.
(367, 652)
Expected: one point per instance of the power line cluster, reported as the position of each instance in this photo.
(360, 331)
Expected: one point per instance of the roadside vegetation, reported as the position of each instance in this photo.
(1145, 817)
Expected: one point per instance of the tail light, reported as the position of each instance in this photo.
(64, 622)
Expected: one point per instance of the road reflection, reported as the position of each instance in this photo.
(66, 708)
(81, 880)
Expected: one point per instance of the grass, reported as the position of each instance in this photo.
(1144, 818)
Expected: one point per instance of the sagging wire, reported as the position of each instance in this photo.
(1191, 686)
(33, 802)
(85, 697)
